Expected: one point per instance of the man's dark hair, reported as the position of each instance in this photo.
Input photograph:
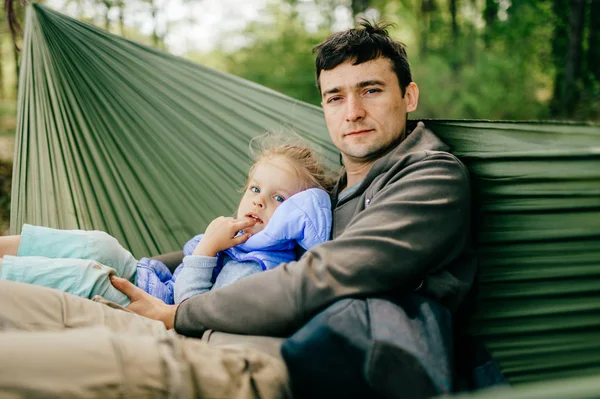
(363, 44)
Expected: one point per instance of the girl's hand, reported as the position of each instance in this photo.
(219, 235)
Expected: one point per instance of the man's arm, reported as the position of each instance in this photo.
(417, 224)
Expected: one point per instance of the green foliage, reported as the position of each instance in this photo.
(502, 63)
(509, 93)
(503, 70)
(8, 120)
(279, 56)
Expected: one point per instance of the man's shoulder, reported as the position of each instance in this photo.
(424, 146)
(420, 143)
(444, 156)
(426, 158)
(424, 167)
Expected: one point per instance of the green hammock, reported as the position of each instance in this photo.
(126, 139)
(119, 137)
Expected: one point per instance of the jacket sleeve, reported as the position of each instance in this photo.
(195, 277)
(417, 224)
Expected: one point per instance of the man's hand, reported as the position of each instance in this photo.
(145, 304)
(220, 235)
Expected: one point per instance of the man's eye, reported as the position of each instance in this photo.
(255, 189)
(371, 91)
(278, 198)
(334, 99)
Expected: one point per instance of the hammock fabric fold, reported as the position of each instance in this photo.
(149, 147)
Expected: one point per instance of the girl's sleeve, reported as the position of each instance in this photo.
(233, 271)
(195, 277)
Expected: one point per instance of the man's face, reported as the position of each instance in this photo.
(364, 108)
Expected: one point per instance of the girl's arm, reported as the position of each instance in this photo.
(233, 271)
(195, 277)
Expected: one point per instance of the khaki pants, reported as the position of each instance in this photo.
(54, 344)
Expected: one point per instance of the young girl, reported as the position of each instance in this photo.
(285, 204)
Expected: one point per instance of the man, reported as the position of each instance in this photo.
(400, 239)
(401, 224)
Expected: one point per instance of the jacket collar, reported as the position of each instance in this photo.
(418, 140)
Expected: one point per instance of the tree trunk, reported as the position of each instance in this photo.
(453, 10)
(427, 6)
(1, 71)
(573, 62)
(122, 18)
(80, 10)
(490, 16)
(14, 15)
(593, 54)
(358, 6)
(106, 19)
(561, 12)
(154, 11)
(17, 68)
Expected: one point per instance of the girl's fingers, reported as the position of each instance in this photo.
(241, 238)
(243, 223)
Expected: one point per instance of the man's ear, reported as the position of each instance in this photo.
(411, 97)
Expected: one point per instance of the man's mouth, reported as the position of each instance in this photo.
(358, 132)
(255, 217)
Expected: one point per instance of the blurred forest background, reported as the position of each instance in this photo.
(473, 59)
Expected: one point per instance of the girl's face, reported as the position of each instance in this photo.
(274, 180)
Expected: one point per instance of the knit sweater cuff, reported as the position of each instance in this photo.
(200, 262)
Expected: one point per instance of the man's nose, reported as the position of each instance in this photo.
(354, 109)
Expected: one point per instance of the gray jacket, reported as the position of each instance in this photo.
(406, 228)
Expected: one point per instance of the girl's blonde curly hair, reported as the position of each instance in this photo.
(306, 161)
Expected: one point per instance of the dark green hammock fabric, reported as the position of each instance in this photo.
(122, 138)
(119, 137)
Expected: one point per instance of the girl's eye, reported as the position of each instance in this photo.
(279, 198)
(255, 189)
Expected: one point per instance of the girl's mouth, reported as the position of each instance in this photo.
(253, 216)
